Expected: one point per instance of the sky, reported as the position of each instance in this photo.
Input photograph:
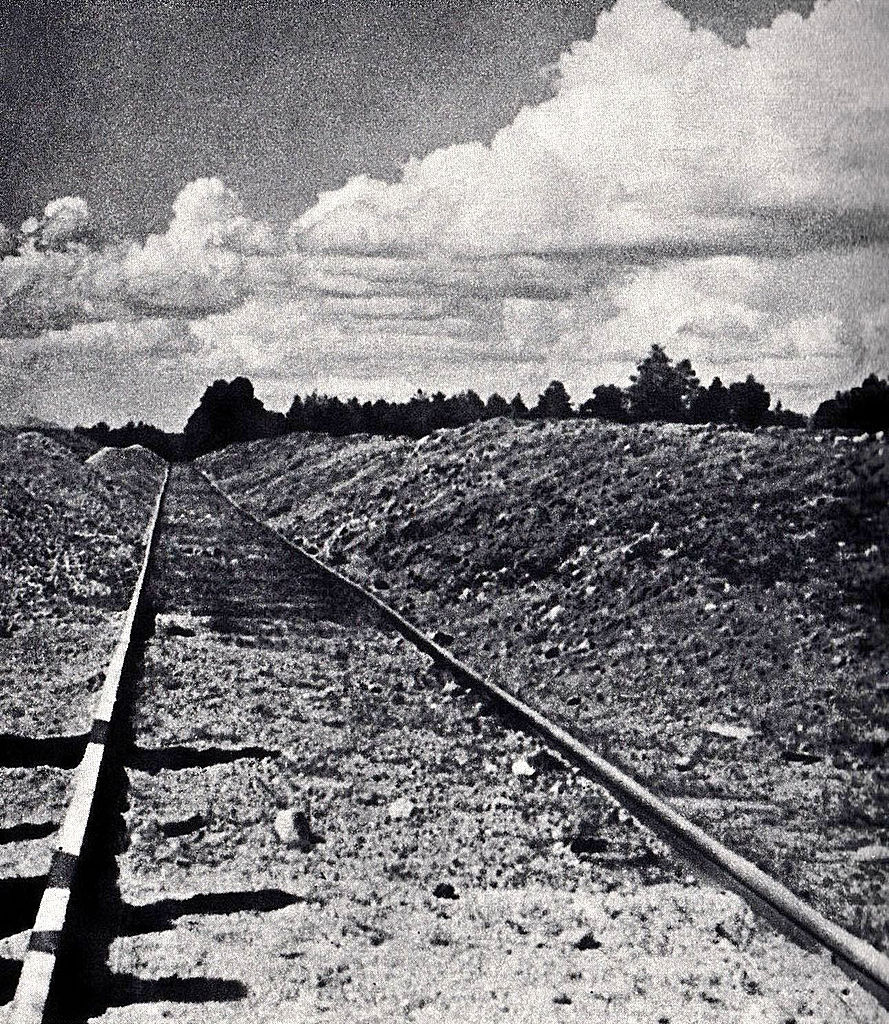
(374, 198)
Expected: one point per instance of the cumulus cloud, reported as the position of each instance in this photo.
(207, 214)
(658, 139)
(207, 260)
(65, 223)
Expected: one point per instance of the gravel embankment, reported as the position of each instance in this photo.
(72, 544)
(323, 828)
(705, 606)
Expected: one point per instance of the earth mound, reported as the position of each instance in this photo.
(70, 537)
(71, 544)
(135, 467)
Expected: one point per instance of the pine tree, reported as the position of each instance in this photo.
(660, 390)
(554, 403)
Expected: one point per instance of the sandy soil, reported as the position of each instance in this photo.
(323, 828)
(707, 607)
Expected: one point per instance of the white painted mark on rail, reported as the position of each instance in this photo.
(74, 826)
(34, 982)
(53, 906)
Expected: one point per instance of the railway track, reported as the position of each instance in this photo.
(262, 721)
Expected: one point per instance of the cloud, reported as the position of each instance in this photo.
(805, 325)
(208, 214)
(153, 370)
(65, 222)
(209, 259)
(659, 143)
(658, 140)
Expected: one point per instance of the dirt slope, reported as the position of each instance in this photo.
(70, 548)
(706, 606)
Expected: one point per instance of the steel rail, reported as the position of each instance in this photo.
(32, 992)
(867, 963)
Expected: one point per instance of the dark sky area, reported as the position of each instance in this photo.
(124, 102)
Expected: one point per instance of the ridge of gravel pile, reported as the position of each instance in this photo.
(79, 444)
(135, 468)
(705, 606)
(72, 541)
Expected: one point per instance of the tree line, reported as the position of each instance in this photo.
(660, 390)
(865, 408)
